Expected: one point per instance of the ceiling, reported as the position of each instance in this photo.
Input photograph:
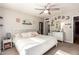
(29, 8)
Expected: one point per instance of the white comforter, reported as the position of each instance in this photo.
(34, 45)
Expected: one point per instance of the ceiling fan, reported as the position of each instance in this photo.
(48, 8)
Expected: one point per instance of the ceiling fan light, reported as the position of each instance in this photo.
(46, 11)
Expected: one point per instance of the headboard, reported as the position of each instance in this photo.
(26, 30)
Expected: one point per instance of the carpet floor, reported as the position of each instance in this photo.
(72, 49)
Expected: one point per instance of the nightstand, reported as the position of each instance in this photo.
(7, 43)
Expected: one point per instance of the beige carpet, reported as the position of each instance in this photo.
(67, 47)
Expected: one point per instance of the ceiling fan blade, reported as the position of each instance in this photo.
(42, 12)
(47, 5)
(49, 13)
(38, 9)
(55, 9)
(52, 5)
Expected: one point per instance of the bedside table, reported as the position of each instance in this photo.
(7, 43)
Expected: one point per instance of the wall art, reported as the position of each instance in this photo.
(55, 18)
(1, 17)
(59, 17)
(52, 23)
(18, 20)
(26, 23)
(67, 17)
(63, 17)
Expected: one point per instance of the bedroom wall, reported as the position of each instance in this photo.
(10, 24)
(70, 32)
(68, 29)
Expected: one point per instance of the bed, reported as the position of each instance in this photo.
(34, 45)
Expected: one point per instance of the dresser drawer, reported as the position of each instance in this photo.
(58, 35)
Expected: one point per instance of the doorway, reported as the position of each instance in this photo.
(46, 27)
(76, 30)
(41, 27)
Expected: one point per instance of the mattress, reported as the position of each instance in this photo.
(34, 45)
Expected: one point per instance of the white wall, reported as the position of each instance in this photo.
(68, 31)
(10, 24)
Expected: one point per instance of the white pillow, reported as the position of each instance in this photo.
(26, 35)
(17, 35)
(34, 34)
(29, 34)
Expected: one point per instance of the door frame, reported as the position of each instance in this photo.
(74, 28)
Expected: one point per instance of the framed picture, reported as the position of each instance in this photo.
(26, 23)
(63, 17)
(18, 20)
(55, 18)
(59, 17)
(67, 17)
(52, 23)
(1, 17)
